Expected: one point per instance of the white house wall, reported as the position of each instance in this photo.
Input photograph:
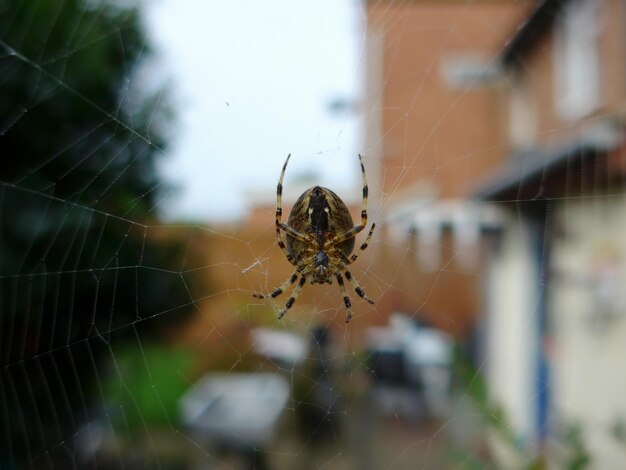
(588, 317)
(511, 303)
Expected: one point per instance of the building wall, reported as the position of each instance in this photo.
(587, 303)
(434, 139)
(511, 311)
(433, 131)
(584, 340)
(613, 47)
(537, 73)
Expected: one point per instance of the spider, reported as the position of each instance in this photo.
(319, 237)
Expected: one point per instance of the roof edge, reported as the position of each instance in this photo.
(529, 32)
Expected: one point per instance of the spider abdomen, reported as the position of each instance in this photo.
(320, 212)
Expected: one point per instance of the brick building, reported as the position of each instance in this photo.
(434, 126)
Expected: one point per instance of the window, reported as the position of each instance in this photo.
(466, 70)
(522, 115)
(577, 71)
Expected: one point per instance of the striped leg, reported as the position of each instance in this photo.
(357, 288)
(279, 193)
(356, 229)
(337, 258)
(276, 292)
(346, 299)
(356, 254)
(279, 214)
(293, 297)
(292, 232)
(333, 251)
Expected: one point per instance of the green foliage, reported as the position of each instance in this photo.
(570, 438)
(618, 430)
(495, 419)
(578, 456)
(80, 269)
(145, 386)
(68, 126)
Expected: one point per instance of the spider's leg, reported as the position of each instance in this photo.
(279, 216)
(339, 265)
(357, 228)
(282, 246)
(365, 190)
(356, 254)
(279, 213)
(292, 232)
(279, 290)
(337, 258)
(357, 288)
(346, 299)
(279, 193)
(293, 297)
(301, 269)
(344, 260)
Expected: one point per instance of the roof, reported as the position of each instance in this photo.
(535, 173)
(537, 24)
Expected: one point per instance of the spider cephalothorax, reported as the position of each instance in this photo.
(319, 237)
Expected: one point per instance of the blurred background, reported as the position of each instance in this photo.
(140, 147)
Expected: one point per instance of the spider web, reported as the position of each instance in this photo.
(130, 338)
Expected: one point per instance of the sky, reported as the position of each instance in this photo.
(250, 83)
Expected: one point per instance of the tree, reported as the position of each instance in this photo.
(80, 269)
